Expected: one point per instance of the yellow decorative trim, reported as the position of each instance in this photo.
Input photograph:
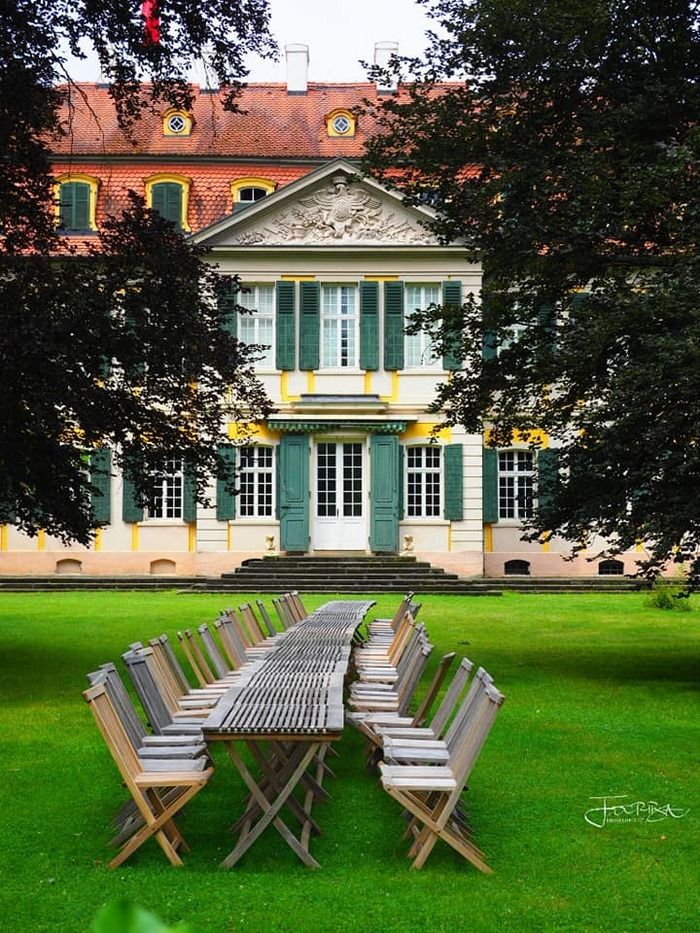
(189, 123)
(97, 543)
(368, 383)
(250, 182)
(192, 537)
(93, 184)
(424, 429)
(545, 547)
(394, 388)
(535, 436)
(381, 278)
(257, 433)
(284, 378)
(228, 537)
(488, 538)
(351, 118)
(171, 178)
(134, 536)
(449, 537)
(3, 538)
(41, 540)
(298, 278)
(310, 382)
(639, 547)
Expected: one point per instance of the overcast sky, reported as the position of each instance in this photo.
(338, 32)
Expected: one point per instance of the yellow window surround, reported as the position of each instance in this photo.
(171, 127)
(341, 123)
(540, 438)
(250, 181)
(92, 183)
(171, 178)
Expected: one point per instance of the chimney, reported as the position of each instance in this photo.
(297, 68)
(383, 52)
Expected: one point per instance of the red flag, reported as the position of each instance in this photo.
(151, 21)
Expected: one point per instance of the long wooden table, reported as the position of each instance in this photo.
(286, 708)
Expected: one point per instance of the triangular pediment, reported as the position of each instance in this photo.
(332, 206)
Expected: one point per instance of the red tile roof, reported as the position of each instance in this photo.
(273, 124)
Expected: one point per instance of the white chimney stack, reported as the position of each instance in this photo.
(383, 52)
(297, 68)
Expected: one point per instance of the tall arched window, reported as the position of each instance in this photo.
(169, 195)
(76, 201)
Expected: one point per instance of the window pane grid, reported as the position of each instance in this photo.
(419, 347)
(339, 323)
(258, 327)
(255, 499)
(423, 482)
(326, 481)
(352, 479)
(166, 492)
(515, 484)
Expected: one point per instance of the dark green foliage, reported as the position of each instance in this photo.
(568, 162)
(120, 345)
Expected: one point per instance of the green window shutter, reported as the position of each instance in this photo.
(285, 326)
(225, 499)
(452, 295)
(227, 305)
(489, 485)
(100, 467)
(293, 493)
(309, 325)
(393, 326)
(369, 325)
(75, 205)
(166, 198)
(454, 495)
(488, 345)
(385, 489)
(189, 492)
(547, 477)
(402, 481)
(132, 511)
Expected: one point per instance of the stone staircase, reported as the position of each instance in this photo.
(343, 575)
(602, 584)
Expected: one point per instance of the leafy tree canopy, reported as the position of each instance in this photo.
(565, 155)
(125, 344)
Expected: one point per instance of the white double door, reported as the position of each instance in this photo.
(340, 509)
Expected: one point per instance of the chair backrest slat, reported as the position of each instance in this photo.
(217, 659)
(113, 732)
(433, 688)
(451, 698)
(265, 616)
(153, 702)
(121, 701)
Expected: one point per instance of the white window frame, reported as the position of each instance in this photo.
(167, 481)
(252, 475)
(328, 315)
(424, 471)
(250, 188)
(518, 477)
(418, 348)
(251, 300)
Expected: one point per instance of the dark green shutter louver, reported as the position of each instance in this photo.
(293, 492)
(452, 295)
(454, 494)
(74, 205)
(132, 511)
(402, 482)
(100, 467)
(227, 305)
(489, 485)
(225, 499)
(285, 326)
(384, 493)
(393, 326)
(166, 198)
(189, 492)
(309, 325)
(369, 325)
(547, 477)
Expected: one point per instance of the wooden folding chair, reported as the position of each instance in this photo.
(150, 783)
(283, 613)
(382, 627)
(301, 609)
(158, 705)
(265, 616)
(203, 696)
(431, 793)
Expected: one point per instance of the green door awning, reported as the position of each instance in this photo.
(327, 427)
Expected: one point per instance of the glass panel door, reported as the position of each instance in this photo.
(340, 522)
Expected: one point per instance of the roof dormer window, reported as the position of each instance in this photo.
(341, 123)
(177, 123)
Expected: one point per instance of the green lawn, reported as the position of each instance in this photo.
(600, 699)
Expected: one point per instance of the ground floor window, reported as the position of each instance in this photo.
(256, 482)
(167, 491)
(423, 482)
(516, 480)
